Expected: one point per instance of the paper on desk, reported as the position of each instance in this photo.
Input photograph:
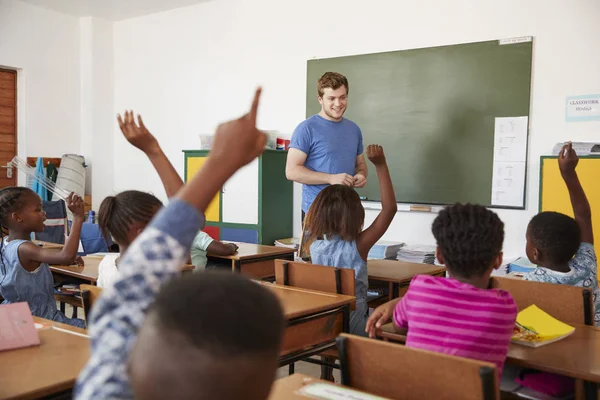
(510, 154)
(326, 391)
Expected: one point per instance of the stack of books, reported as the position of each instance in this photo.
(385, 250)
(290, 243)
(417, 253)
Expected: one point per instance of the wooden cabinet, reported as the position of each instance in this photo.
(255, 205)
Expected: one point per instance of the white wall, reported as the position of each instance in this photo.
(44, 46)
(186, 70)
(97, 106)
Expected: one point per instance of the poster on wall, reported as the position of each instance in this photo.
(583, 108)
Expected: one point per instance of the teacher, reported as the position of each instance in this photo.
(327, 149)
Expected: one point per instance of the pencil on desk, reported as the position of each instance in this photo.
(71, 332)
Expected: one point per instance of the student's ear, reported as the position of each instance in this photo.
(498, 260)
(16, 217)
(536, 255)
(320, 100)
(439, 255)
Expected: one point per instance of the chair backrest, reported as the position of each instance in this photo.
(92, 239)
(315, 277)
(569, 304)
(89, 295)
(56, 225)
(400, 372)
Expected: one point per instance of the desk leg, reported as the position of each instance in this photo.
(395, 290)
(237, 266)
(591, 390)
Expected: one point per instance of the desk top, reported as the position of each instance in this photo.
(48, 245)
(577, 356)
(248, 251)
(297, 302)
(287, 387)
(47, 369)
(399, 271)
(89, 271)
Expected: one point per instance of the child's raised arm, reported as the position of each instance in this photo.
(373, 233)
(31, 253)
(156, 256)
(140, 137)
(567, 162)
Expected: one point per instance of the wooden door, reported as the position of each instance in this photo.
(8, 126)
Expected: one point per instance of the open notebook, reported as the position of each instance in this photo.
(17, 328)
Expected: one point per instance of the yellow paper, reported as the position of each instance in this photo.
(545, 325)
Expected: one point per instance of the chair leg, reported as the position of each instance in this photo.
(75, 311)
(326, 371)
(291, 368)
(62, 307)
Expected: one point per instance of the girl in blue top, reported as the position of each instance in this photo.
(334, 231)
(24, 271)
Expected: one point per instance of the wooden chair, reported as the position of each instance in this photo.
(321, 278)
(569, 304)
(63, 300)
(399, 372)
(89, 295)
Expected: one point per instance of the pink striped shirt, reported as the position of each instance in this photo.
(451, 317)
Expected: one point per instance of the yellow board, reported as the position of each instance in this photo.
(555, 196)
(193, 165)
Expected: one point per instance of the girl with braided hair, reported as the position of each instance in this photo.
(24, 271)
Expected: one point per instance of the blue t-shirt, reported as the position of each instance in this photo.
(331, 147)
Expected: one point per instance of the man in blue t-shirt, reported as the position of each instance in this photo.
(327, 149)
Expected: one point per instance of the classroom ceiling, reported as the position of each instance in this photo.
(112, 9)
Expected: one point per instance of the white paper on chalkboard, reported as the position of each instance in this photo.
(510, 154)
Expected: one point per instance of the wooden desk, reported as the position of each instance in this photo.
(287, 387)
(48, 245)
(88, 272)
(576, 356)
(398, 273)
(314, 320)
(254, 260)
(45, 370)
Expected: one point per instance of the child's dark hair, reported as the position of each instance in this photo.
(249, 323)
(556, 235)
(117, 213)
(11, 199)
(337, 211)
(469, 237)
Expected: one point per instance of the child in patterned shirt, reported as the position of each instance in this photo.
(563, 247)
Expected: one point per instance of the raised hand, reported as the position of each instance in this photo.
(567, 159)
(137, 134)
(239, 141)
(375, 154)
(75, 205)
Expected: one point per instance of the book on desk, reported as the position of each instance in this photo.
(535, 328)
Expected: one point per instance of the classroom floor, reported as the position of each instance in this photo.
(300, 368)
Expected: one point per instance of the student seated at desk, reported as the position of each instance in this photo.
(192, 339)
(203, 244)
(24, 271)
(333, 231)
(125, 215)
(563, 247)
(460, 315)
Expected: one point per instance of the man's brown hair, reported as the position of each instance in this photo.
(332, 80)
(337, 211)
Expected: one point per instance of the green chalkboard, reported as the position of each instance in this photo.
(433, 110)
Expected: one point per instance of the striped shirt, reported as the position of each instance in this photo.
(451, 317)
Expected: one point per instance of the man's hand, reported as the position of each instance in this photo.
(341, 179)
(359, 181)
